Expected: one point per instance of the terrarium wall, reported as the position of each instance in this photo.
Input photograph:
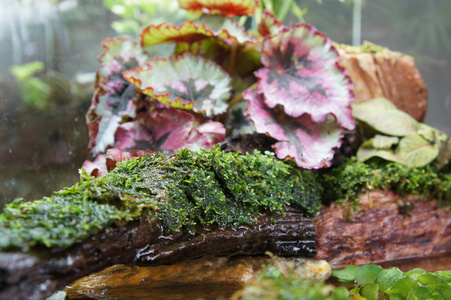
(43, 137)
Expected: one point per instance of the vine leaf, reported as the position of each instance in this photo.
(309, 143)
(186, 81)
(385, 117)
(301, 73)
(220, 7)
(114, 97)
(414, 151)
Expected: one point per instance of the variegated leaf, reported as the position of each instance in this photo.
(308, 143)
(302, 75)
(186, 81)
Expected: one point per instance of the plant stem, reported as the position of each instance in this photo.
(239, 97)
(231, 64)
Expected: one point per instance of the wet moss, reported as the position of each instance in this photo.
(189, 189)
(347, 182)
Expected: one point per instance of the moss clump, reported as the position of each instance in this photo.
(351, 179)
(188, 189)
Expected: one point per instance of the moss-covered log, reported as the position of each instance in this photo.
(157, 210)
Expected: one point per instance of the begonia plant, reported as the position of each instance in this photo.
(222, 79)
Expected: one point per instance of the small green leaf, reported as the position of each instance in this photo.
(442, 288)
(414, 151)
(340, 293)
(403, 287)
(397, 297)
(423, 293)
(445, 275)
(415, 273)
(347, 274)
(387, 277)
(429, 278)
(367, 274)
(370, 291)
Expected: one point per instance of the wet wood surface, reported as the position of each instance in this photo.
(386, 227)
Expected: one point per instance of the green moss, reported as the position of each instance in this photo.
(187, 189)
(353, 178)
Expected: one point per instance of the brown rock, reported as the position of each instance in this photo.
(388, 74)
(386, 227)
(206, 278)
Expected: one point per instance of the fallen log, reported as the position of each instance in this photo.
(384, 227)
(156, 210)
(39, 274)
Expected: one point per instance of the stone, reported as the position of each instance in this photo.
(206, 278)
(378, 72)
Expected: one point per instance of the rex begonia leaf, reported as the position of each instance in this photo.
(168, 129)
(188, 33)
(269, 24)
(221, 7)
(237, 122)
(301, 73)
(382, 115)
(114, 97)
(227, 29)
(107, 162)
(309, 143)
(174, 129)
(415, 151)
(185, 81)
(133, 135)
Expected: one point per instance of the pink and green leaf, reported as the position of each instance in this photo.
(174, 129)
(107, 162)
(186, 81)
(221, 7)
(310, 144)
(114, 98)
(227, 29)
(301, 74)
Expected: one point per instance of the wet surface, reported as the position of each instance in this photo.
(122, 282)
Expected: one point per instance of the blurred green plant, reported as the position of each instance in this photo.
(374, 282)
(137, 14)
(34, 91)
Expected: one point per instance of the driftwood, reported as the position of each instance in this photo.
(386, 227)
(38, 275)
